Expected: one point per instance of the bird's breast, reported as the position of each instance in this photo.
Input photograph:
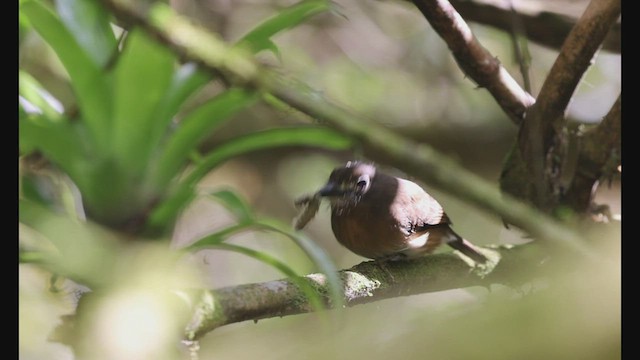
(368, 234)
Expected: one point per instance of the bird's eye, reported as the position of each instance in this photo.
(362, 183)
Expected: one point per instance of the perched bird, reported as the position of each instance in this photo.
(383, 217)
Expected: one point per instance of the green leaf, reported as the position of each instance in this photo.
(235, 204)
(272, 138)
(89, 24)
(85, 252)
(90, 85)
(54, 190)
(196, 126)
(24, 26)
(217, 237)
(142, 76)
(168, 210)
(315, 253)
(314, 298)
(30, 90)
(184, 83)
(259, 38)
(163, 217)
(58, 141)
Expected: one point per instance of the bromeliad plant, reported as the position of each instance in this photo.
(119, 144)
(119, 148)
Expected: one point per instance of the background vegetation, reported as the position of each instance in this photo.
(145, 176)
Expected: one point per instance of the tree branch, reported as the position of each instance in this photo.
(542, 139)
(364, 283)
(474, 60)
(545, 28)
(594, 164)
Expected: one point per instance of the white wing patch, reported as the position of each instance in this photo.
(419, 241)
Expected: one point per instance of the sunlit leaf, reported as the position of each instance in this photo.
(142, 76)
(315, 253)
(54, 190)
(59, 142)
(31, 90)
(235, 204)
(259, 38)
(89, 24)
(164, 216)
(84, 250)
(267, 139)
(323, 138)
(196, 126)
(186, 81)
(89, 83)
(217, 237)
(23, 27)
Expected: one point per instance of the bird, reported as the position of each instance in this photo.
(387, 218)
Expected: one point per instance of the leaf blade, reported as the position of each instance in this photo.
(186, 81)
(89, 83)
(79, 16)
(30, 90)
(315, 253)
(235, 204)
(141, 77)
(58, 141)
(196, 126)
(324, 138)
(259, 38)
(266, 139)
(312, 295)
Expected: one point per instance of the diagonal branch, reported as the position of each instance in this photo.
(474, 60)
(545, 28)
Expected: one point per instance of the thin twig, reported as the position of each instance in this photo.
(518, 36)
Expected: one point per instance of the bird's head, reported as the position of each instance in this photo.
(348, 184)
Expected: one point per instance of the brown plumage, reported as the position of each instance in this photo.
(382, 217)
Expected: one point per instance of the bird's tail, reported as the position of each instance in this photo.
(467, 248)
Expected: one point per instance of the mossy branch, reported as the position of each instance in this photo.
(364, 283)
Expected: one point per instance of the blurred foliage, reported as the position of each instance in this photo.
(120, 141)
(120, 162)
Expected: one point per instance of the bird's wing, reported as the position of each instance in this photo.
(420, 209)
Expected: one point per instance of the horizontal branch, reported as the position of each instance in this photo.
(364, 283)
(474, 60)
(544, 28)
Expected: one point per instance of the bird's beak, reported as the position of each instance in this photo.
(331, 189)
